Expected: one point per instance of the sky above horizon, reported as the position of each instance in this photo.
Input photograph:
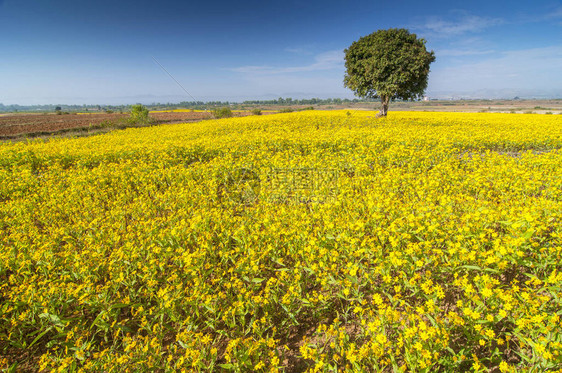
(102, 52)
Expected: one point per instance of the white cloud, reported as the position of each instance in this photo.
(329, 85)
(458, 23)
(535, 68)
(462, 52)
(324, 61)
(555, 13)
(294, 50)
(299, 50)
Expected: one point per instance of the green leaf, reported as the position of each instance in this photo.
(12, 368)
(40, 335)
(52, 318)
(118, 306)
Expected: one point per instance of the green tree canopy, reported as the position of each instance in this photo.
(388, 64)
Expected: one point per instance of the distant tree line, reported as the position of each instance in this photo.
(196, 105)
(307, 101)
(279, 102)
(59, 107)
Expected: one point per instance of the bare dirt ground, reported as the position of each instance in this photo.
(14, 126)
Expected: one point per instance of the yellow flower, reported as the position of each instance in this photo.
(504, 367)
(381, 339)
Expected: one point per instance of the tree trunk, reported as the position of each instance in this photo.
(384, 106)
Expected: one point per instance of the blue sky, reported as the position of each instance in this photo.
(86, 52)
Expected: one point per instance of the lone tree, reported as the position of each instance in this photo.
(388, 64)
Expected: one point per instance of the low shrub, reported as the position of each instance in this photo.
(139, 115)
(222, 112)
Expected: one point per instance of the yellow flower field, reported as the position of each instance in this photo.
(178, 111)
(203, 111)
(310, 241)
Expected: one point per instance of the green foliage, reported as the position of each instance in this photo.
(107, 124)
(139, 115)
(286, 110)
(388, 64)
(222, 112)
(256, 111)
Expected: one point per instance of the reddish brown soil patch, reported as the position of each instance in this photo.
(22, 124)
